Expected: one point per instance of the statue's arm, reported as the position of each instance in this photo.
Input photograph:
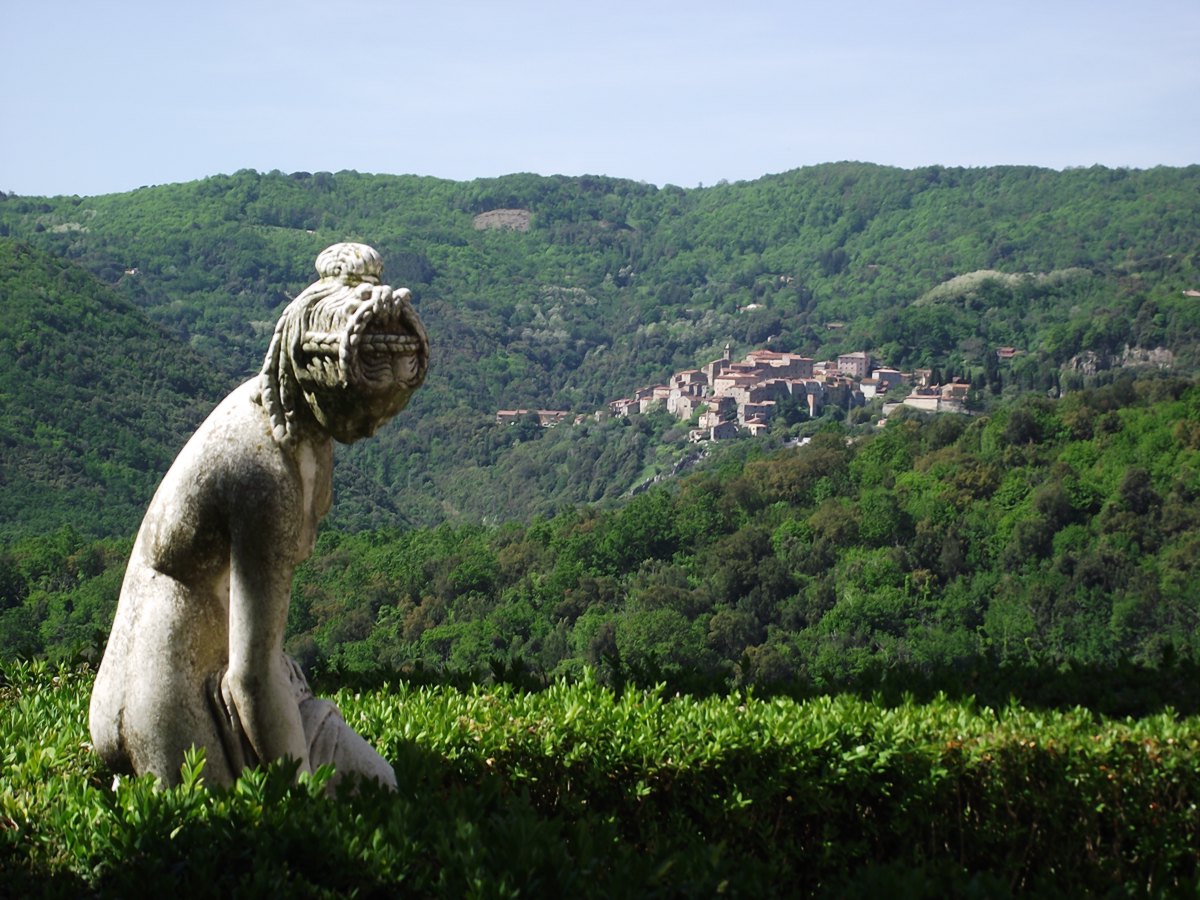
(260, 582)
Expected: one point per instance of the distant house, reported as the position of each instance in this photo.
(693, 381)
(756, 426)
(925, 398)
(837, 391)
(624, 406)
(776, 389)
(763, 411)
(773, 364)
(944, 398)
(888, 377)
(510, 416)
(547, 418)
(856, 365)
(722, 431)
(956, 392)
(764, 357)
(719, 410)
(753, 370)
(732, 385)
(683, 406)
(722, 407)
(648, 397)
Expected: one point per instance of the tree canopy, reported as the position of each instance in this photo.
(614, 285)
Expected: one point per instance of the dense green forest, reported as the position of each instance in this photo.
(96, 398)
(1046, 550)
(614, 285)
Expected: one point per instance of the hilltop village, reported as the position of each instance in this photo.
(728, 399)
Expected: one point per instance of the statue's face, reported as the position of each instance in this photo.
(382, 359)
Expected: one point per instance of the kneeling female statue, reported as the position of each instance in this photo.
(195, 656)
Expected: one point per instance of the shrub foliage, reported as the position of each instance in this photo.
(578, 790)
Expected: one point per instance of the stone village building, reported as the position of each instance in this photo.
(728, 398)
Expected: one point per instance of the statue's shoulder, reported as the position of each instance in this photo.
(238, 418)
(234, 438)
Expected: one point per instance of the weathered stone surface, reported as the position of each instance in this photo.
(195, 654)
(1090, 362)
(514, 219)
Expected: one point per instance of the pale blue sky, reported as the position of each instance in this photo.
(107, 96)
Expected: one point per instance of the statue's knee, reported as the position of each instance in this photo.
(333, 742)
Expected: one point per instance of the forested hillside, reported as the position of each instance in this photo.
(97, 398)
(612, 285)
(1048, 550)
(944, 549)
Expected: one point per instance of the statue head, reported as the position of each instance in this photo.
(349, 350)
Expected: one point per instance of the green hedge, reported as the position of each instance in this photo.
(578, 791)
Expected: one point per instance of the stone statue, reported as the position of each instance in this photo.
(195, 655)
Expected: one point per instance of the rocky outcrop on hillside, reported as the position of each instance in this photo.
(1090, 363)
(514, 219)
